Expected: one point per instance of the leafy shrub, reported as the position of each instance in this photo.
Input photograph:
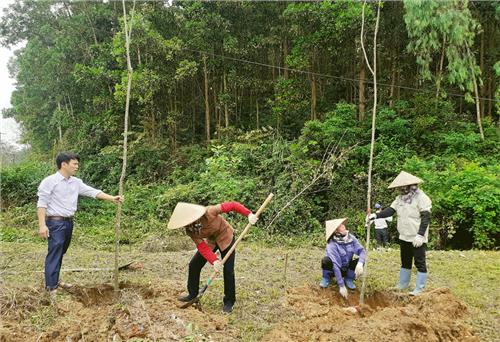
(460, 173)
(466, 201)
(19, 182)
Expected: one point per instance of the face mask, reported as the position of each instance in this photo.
(194, 227)
(405, 190)
(408, 193)
(337, 234)
(341, 238)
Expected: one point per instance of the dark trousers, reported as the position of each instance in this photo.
(410, 254)
(382, 236)
(196, 264)
(327, 265)
(60, 233)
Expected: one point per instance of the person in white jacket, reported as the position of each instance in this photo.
(381, 228)
(413, 208)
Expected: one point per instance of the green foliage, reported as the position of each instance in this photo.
(466, 200)
(289, 105)
(19, 182)
(447, 28)
(221, 179)
(102, 171)
(71, 80)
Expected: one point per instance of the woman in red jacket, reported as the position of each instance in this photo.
(210, 232)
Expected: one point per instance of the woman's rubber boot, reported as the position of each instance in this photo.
(349, 280)
(325, 281)
(404, 278)
(421, 280)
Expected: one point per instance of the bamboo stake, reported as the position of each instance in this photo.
(372, 145)
(286, 265)
(125, 137)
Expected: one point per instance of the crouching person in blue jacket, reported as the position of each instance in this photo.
(340, 261)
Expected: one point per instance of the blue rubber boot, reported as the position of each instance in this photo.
(404, 278)
(421, 280)
(349, 280)
(325, 281)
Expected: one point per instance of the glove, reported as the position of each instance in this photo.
(343, 291)
(359, 269)
(252, 219)
(218, 266)
(369, 219)
(418, 241)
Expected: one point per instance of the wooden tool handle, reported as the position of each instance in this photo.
(248, 226)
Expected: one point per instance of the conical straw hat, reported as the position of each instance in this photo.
(403, 179)
(184, 214)
(332, 225)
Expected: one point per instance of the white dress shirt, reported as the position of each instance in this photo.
(60, 195)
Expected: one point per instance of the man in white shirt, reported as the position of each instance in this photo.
(57, 203)
(381, 227)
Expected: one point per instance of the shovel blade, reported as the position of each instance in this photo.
(188, 304)
(195, 299)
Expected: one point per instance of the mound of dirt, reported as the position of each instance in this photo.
(96, 313)
(323, 315)
(138, 311)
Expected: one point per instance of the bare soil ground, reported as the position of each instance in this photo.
(386, 316)
(274, 303)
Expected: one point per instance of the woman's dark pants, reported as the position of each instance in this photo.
(196, 264)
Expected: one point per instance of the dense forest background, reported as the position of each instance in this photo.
(233, 100)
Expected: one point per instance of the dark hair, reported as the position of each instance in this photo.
(65, 157)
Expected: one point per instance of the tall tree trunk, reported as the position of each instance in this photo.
(207, 108)
(193, 107)
(257, 108)
(285, 55)
(440, 71)
(398, 89)
(481, 66)
(226, 112)
(490, 95)
(125, 140)
(174, 124)
(361, 105)
(274, 61)
(476, 92)
(59, 128)
(491, 80)
(393, 81)
(71, 106)
(237, 104)
(313, 97)
(216, 113)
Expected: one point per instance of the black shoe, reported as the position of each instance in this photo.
(186, 298)
(228, 307)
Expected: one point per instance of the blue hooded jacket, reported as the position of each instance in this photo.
(341, 254)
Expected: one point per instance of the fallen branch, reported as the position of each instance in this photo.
(93, 269)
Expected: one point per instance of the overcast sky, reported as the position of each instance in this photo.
(9, 129)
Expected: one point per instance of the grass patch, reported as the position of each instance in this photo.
(473, 277)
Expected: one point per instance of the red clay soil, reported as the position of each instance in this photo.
(145, 312)
(325, 316)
